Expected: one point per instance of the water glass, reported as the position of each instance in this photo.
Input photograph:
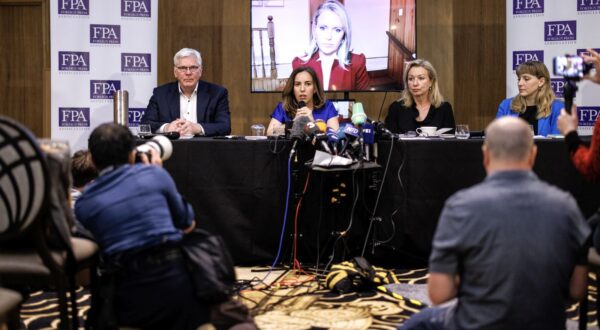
(462, 131)
(144, 130)
(258, 129)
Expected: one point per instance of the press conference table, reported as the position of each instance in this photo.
(238, 190)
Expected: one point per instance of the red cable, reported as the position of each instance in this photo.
(296, 262)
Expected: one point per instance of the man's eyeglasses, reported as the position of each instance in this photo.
(193, 68)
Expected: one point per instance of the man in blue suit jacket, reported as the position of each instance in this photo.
(189, 106)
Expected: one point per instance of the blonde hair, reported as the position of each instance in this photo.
(545, 95)
(345, 44)
(435, 97)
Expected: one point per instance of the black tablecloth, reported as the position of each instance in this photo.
(238, 189)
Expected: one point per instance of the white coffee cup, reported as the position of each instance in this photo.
(427, 131)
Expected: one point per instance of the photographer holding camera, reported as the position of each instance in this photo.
(138, 219)
(586, 159)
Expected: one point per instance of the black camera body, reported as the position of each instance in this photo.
(571, 67)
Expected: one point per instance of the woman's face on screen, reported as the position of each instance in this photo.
(329, 32)
(304, 87)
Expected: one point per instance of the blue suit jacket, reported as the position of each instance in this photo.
(546, 125)
(212, 107)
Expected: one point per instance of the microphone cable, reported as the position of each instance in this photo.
(285, 214)
(356, 192)
(387, 165)
(381, 108)
(297, 265)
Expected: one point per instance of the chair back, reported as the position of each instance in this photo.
(23, 179)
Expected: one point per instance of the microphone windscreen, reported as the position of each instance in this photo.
(358, 114)
(350, 130)
(369, 133)
(310, 129)
(301, 104)
(321, 125)
(297, 131)
(332, 135)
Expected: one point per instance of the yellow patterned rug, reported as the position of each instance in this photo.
(299, 301)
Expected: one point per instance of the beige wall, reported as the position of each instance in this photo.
(464, 39)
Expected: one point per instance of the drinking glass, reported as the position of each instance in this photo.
(462, 131)
(258, 129)
(144, 130)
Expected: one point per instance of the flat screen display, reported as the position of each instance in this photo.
(353, 45)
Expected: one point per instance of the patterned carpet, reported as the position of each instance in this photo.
(300, 302)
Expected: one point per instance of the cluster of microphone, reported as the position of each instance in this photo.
(352, 140)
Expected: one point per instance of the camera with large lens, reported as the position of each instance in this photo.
(162, 145)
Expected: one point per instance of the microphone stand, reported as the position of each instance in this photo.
(361, 143)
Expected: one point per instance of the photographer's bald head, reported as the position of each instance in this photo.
(508, 145)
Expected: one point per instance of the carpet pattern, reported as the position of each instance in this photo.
(301, 302)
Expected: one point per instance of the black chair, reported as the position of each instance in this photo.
(9, 303)
(36, 247)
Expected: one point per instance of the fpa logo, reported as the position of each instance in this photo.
(136, 8)
(558, 86)
(73, 61)
(135, 62)
(105, 34)
(103, 89)
(73, 7)
(587, 5)
(587, 115)
(526, 56)
(560, 31)
(135, 116)
(74, 117)
(583, 50)
(528, 7)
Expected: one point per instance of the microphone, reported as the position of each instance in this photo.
(358, 119)
(313, 133)
(352, 135)
(310, 129)
(332, 139)
(290, 123)
(381, 130)
(369, 134)
(358, 114)
(369, 139)
(321, 125)
(297, 132)
(341, 136)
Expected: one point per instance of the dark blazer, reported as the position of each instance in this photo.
(401, 119)
(212, 108)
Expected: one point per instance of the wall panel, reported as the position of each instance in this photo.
(479, 57)
(464, 39)
(23, 82)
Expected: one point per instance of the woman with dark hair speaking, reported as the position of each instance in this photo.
(302, 86)
(329, 52)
